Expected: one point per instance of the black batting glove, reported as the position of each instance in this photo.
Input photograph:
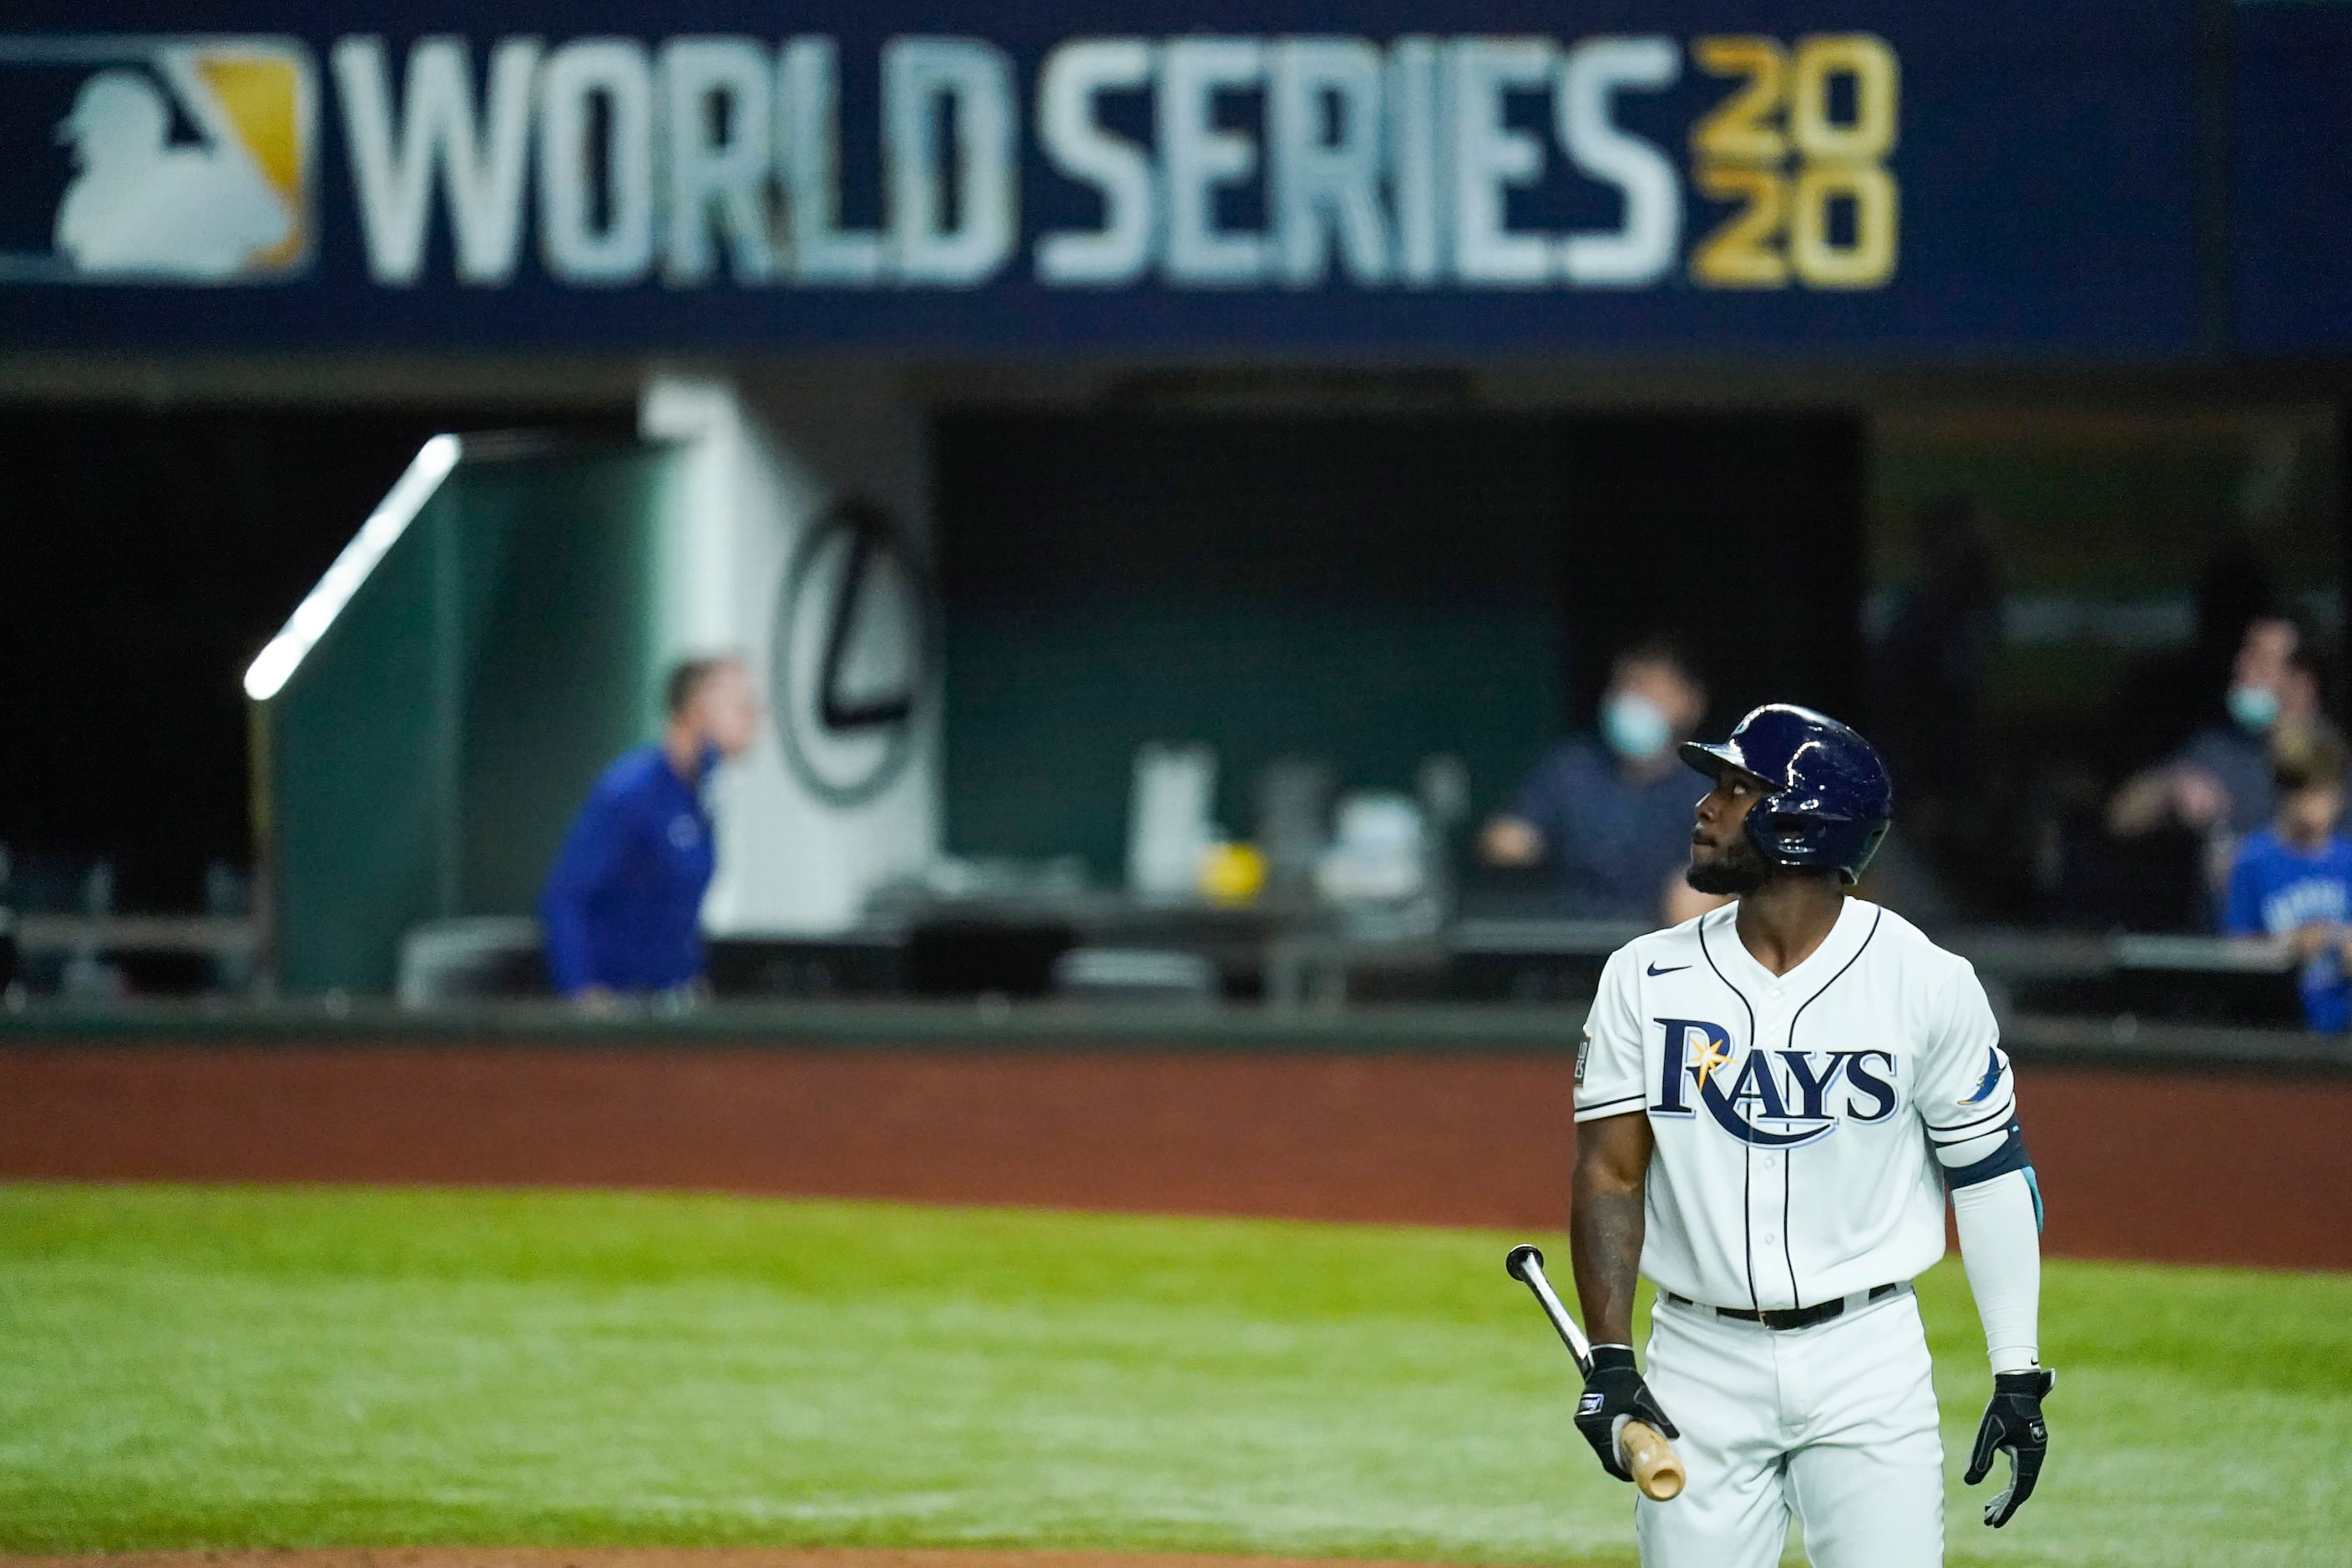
(1614, 1393)
(2012, 1425)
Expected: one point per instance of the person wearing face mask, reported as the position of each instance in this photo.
(2220, 783)
(623, 906)
(1609, 813)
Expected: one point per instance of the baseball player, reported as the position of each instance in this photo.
(1772, 1101)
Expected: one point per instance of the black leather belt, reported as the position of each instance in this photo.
(1785, 1317)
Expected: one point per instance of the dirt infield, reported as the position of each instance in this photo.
(2173, 1166)
(654, 1557)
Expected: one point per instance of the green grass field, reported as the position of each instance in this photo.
(186, 1366)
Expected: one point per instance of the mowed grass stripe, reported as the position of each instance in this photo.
(193, 1367)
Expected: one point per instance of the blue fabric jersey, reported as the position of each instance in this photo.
(2276, 889)
(623, 906)
(1613, 841)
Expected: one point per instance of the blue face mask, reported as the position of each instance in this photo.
(1634, 727)
(2256, 708)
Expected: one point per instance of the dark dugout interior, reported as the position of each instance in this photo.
(1366, 589)
(150, 553)
(1370, 589)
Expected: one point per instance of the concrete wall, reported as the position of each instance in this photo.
(801, 846)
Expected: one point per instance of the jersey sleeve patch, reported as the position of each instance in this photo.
(1994, 1069)
(1965, 1080)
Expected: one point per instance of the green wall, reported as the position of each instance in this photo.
(425, 758)
(1364, 592)
(1369, 587)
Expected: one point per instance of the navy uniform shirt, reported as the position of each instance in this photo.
(623, 906)
(1614, 840)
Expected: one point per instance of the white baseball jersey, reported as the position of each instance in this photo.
(1795, 1114)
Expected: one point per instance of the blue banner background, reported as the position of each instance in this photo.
(2291, 146)
(2045, 165)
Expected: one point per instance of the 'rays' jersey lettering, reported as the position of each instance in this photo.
(1796, 1116)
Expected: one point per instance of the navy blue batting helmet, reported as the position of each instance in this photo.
(1830, 798)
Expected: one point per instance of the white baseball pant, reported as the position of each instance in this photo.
(1835, 1422)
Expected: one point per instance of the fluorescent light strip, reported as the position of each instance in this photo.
(276, 664)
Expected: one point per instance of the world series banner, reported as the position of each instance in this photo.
(1996, 176)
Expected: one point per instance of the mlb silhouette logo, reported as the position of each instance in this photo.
(179, 160)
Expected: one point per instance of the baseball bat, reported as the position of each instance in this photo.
(1647, 1454)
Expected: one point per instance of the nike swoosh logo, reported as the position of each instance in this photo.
(1669, 968)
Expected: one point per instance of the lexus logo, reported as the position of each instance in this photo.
(853, 655)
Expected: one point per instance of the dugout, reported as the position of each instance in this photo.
(1358, 564)
(1368, 586)
(1350, 392)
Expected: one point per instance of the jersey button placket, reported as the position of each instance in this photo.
(1769, 1179)
(1768, 1186)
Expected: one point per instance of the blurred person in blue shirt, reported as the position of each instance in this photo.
(1612, 812)
(2291, 881)
(623, 906)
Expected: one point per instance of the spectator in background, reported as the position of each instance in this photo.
(623, 905)
(2291, 881)
(2219, 783)
(1613, 813)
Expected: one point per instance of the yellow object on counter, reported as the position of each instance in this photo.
(1232, 873)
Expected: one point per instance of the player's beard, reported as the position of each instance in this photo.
(1737, 869)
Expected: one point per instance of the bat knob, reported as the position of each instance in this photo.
(1520, 1256)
